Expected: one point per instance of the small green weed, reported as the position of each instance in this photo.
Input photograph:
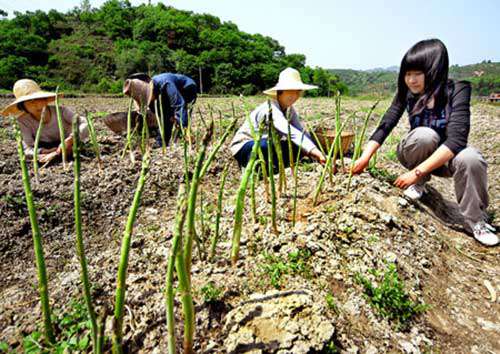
(307, 167)
(389, 299)
(332, 304)
(382, 174)
(74, 336)
(330, 348)
(14, 201)
(211, 293)
(296, 263)
(392, 155)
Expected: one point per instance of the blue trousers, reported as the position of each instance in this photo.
(243, 155)
(189, 96)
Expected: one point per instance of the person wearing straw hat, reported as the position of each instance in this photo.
(286, 92)
(174, 92)
(31, 105)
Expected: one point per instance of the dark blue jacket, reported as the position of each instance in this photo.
(176, 91)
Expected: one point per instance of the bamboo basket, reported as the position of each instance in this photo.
(326, 138)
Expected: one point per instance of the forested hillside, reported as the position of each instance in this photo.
(93, 49)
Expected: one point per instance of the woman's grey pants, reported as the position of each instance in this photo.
(468, 169)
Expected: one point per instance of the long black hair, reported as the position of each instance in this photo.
(431, 57)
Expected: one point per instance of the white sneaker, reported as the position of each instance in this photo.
(415, 191)
(484, 233)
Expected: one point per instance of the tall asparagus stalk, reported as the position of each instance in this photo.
(217, 147)
(61, 129)
(93, 139)
(240, 200)
(160, 122)
(215, 237)
(271, 169)
(187, 302)
(260, 153)
(253, 177)
(145, 130)
(121, 285)
(373, 161)
(289, 142)
(359, 143)
(276, 141)
(338, 133)
(128, 144)
(174, 250)
(80, 248)
(337, 142)
(295, 183)
(43, 287)
(35, 147)
(193, 191)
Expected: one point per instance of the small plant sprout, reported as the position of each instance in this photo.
(211, 293)
(80, 248)
(215, 237)
(43, 288)
(121, 285)
(93, 139)
(61, 129)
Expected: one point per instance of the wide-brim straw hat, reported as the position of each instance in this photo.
(289, 79)
(26, 90)
(138, 89)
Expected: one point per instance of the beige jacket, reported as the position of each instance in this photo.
(50, 130)
(297, 132)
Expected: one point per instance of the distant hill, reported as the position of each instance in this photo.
(485, 78)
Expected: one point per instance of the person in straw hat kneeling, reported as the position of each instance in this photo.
(31, 105)
(173, 92)
(286, 92)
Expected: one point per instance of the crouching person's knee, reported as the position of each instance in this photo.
(470, 159)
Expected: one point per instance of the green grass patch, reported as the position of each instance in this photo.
(382, 174)
(296, 263)
(74, 332)
(211, 293)
(389, 299)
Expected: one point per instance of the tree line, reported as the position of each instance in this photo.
(94, 49)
